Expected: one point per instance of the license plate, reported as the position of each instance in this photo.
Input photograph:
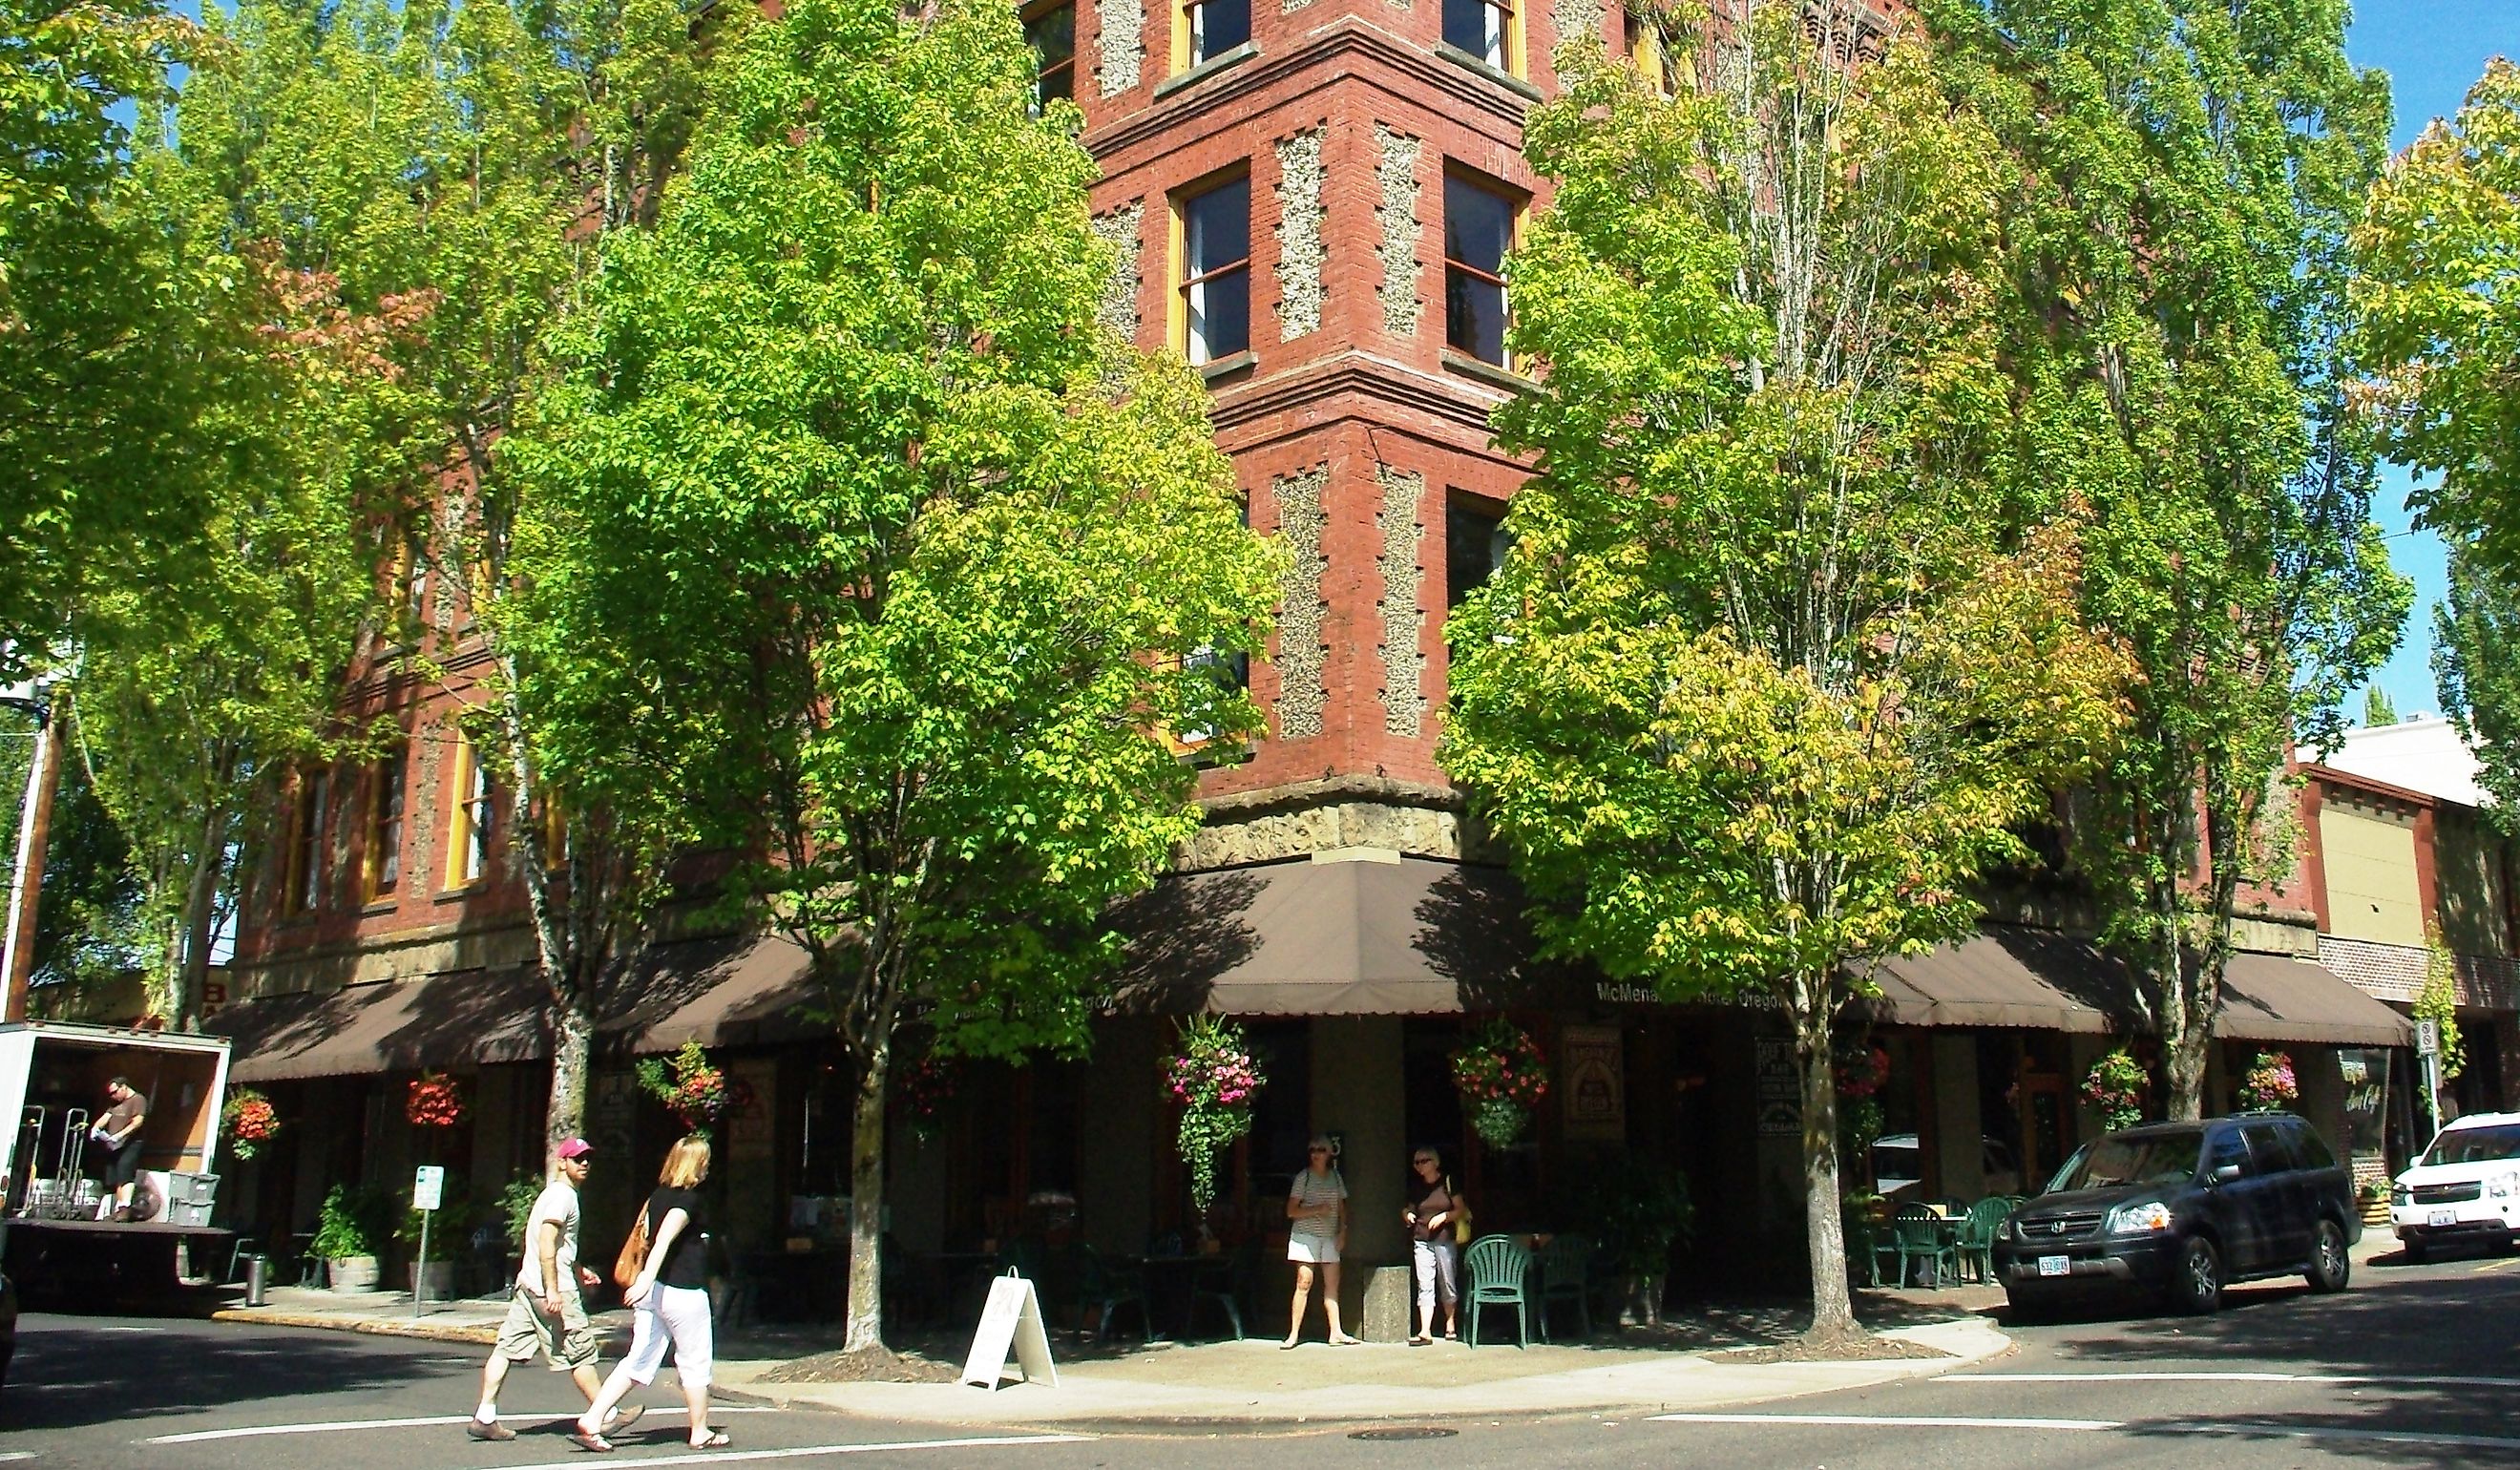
(2443, 1217)
(2055, 1266)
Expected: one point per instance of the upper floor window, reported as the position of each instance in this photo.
(306, 838)
(1652, 52)
(1213, 299)
(384, 859)
(1488, 30)
(1051, 30)
(468, 833)
(1474, 547)
(1478, 230)
(1205, 29)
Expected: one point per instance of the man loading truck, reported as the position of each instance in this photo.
(118, 1133)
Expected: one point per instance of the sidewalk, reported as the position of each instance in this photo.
(1688, 1365)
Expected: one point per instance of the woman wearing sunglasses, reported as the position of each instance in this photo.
(1316, 1205)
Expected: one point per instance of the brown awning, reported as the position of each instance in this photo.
(730, 991)
(2029, 979)
(723, 992)
(2277, 998)
(1379, 936)
(461, 1017)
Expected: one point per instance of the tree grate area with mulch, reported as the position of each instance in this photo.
(1858, 1348)
(866, 1365)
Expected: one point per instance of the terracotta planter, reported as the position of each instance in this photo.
(354, 1273)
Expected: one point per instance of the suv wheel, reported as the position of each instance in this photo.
(2331, 1268)
(2197, 1288)
(2416, 1252)
(2024, 1307)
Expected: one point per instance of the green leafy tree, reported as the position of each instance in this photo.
(2378, 708)
(455, 167)
(2476, 631)
(849, 531)
(2178, 263)
(89, 411)
(1768, 679)
(2437, 1001)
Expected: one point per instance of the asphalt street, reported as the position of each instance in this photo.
(2415, 1365)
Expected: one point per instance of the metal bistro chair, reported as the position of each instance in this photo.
(1920, 1234)
(1977, 1236)
(1565, 1271)
(1106, 1290)
(1499, 1267)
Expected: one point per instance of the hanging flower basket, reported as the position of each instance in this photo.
(919, 1091)
(1502, 1076)
(2270, 1085)
(434, 1101)
(2115, 1087)
(249, 1120)
(689, 1084)
(1214, 1079)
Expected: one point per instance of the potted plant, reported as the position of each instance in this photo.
(1638, 1213)
(345, 1239)
(2271, 1085)
(446, 1236)
(248, 1121)
(2114, 1087)
(690, 1085)
(2375, 1197)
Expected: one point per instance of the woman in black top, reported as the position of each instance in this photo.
(671, 1294)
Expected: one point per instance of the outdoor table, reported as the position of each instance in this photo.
(1172, 1284)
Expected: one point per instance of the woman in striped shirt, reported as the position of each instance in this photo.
(1318, 1207)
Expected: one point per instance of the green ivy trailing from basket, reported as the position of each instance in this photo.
(1213, 1077)
(1502, 1076)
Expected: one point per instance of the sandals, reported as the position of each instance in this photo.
(716, 1440)
(592, 1443)
(1421, 1340)
(1344, 1341)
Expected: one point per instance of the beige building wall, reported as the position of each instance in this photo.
(2371, 861)
(1357, 1093)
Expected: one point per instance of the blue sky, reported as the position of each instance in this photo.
(2433, 51)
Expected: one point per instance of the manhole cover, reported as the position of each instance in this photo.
(1406, 1432)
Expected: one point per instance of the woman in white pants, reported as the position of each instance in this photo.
(671, 1294)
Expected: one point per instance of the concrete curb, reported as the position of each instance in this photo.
(1969, 1341)
(445, 1332)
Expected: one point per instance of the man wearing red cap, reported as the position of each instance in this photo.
(545, 1313)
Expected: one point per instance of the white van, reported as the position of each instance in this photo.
(2466, 1187)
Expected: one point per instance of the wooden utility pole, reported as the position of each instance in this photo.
(25, 885)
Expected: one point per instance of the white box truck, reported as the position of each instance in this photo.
(53, 1077)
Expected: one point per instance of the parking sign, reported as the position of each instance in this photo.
(427, 1186)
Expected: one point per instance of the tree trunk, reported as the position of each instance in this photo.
(865, 1199)
(573, 1050)
(1833, 1303)
(200, 908)
(2183, 1068)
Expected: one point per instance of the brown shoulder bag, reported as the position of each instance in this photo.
(634, 1253)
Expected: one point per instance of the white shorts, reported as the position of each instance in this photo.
(681, 1313)
(1312, 1250)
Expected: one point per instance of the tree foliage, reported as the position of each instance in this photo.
(1767, 679)
(2437, 300)
(847, 528)
(2177, 270)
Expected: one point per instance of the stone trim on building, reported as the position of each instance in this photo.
(1301, 256)
(1303, 693)
(1395, 169)
(1120, 230)
(1404, 620)
(1119, 46)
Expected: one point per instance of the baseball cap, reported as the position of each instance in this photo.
(574, 1148)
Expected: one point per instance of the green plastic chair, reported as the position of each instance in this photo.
(1977, 1236)
(1565, 1278)
(1918, 1232)
(1499, 1268)
(1865, 1245)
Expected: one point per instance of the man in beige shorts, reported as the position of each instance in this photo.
(546, 1314)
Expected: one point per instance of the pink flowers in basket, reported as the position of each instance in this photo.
(2271, 1084)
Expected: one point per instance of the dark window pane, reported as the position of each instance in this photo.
(1473, 547)
(1476, 27)
(1217, 227)
(1216, 240)
(1052, 35)
(1478, 226)
(1218, 26)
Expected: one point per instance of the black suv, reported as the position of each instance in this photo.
(2183, 1209)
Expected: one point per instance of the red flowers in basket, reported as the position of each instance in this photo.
(690, 1085)
(1503, 1076)
(434, 1101)
(249, 1120)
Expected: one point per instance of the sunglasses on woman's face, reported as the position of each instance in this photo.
(1421, 1162)
(1318, 1150)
